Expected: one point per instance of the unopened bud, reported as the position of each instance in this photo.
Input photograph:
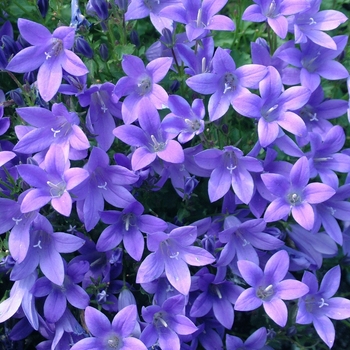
(43, 6)
(104, 52)
(83, 47)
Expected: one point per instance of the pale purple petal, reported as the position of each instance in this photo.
(317, 192)
(250, 272)
(141, 158)
(304, 215)
(97, 323)
(178, 274)
(291, 289)
(325, 329)
(276, 309)
(248, 300)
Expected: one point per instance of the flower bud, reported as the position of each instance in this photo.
(10, 47)
(29, 77)
(104, 52)
(134, 38)
(98, 8)
(43, 6)
(83, 47)
(16, 96)
(122, 4)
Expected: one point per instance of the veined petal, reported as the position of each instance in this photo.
(178, 274)
(173, 152)
(72, 64)
(27, 60)
(248, 300)
(291, 289)
(277, 210)
(304, 215)
(51, 265)
(317, 192)
(300, 173)
(55, 305)
(50, 77)
(267, 131)
(34, 33)
(35, 199)
(63, 204)
(204, 83)
(133, 66)
(97, 322)
(66, 243)
(292, 123)
(276, 267)
(250, 272)
(276, 309)
(125, 320)
(279, 25)
(338, 308)
(150, 269)
(219, 183)
(141, 158)
(159, 67)
(325, 329)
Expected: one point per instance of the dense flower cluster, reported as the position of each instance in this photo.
(99, 250)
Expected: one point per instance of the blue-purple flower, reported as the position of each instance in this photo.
(50, 53)
(269, 288)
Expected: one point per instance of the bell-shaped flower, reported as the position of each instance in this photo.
(107, 335)
(269, 288)
(141, 84)
(44, 250)
(50, 53)
(310, 24)
(274, 108)
(166, 323)
(150, 139)
(295, 195)
(229, 168)
(127, 226)
(274, 12)
(225, 82)
(171, 253)
(319, 305)
(52, 184)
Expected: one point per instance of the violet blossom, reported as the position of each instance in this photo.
(50, 53)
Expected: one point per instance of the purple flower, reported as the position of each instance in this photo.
(295, 195)
(273, 11)
(172, 252)
(215, 294)
(242, 240)
(315, 61)
(229, 168)
(256, 341)
(151, 139)
(103, 107)
(309, 24)
(184, 120)
(11, 218)
(324, 158)
(318, 305)
(269, 287)
(51, 127)
(141, 9)
(166, 323)
(52, 184)
(141, 84)
(127, 226)
(58, 295)
(44, 250)
(104, 182)
(225, 82)
(20, 295)
(117, 335)
(273, 108)
(314, 245)
(50, 52)
(200, 17)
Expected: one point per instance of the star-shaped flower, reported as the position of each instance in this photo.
(269, 288)
(50, 53)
